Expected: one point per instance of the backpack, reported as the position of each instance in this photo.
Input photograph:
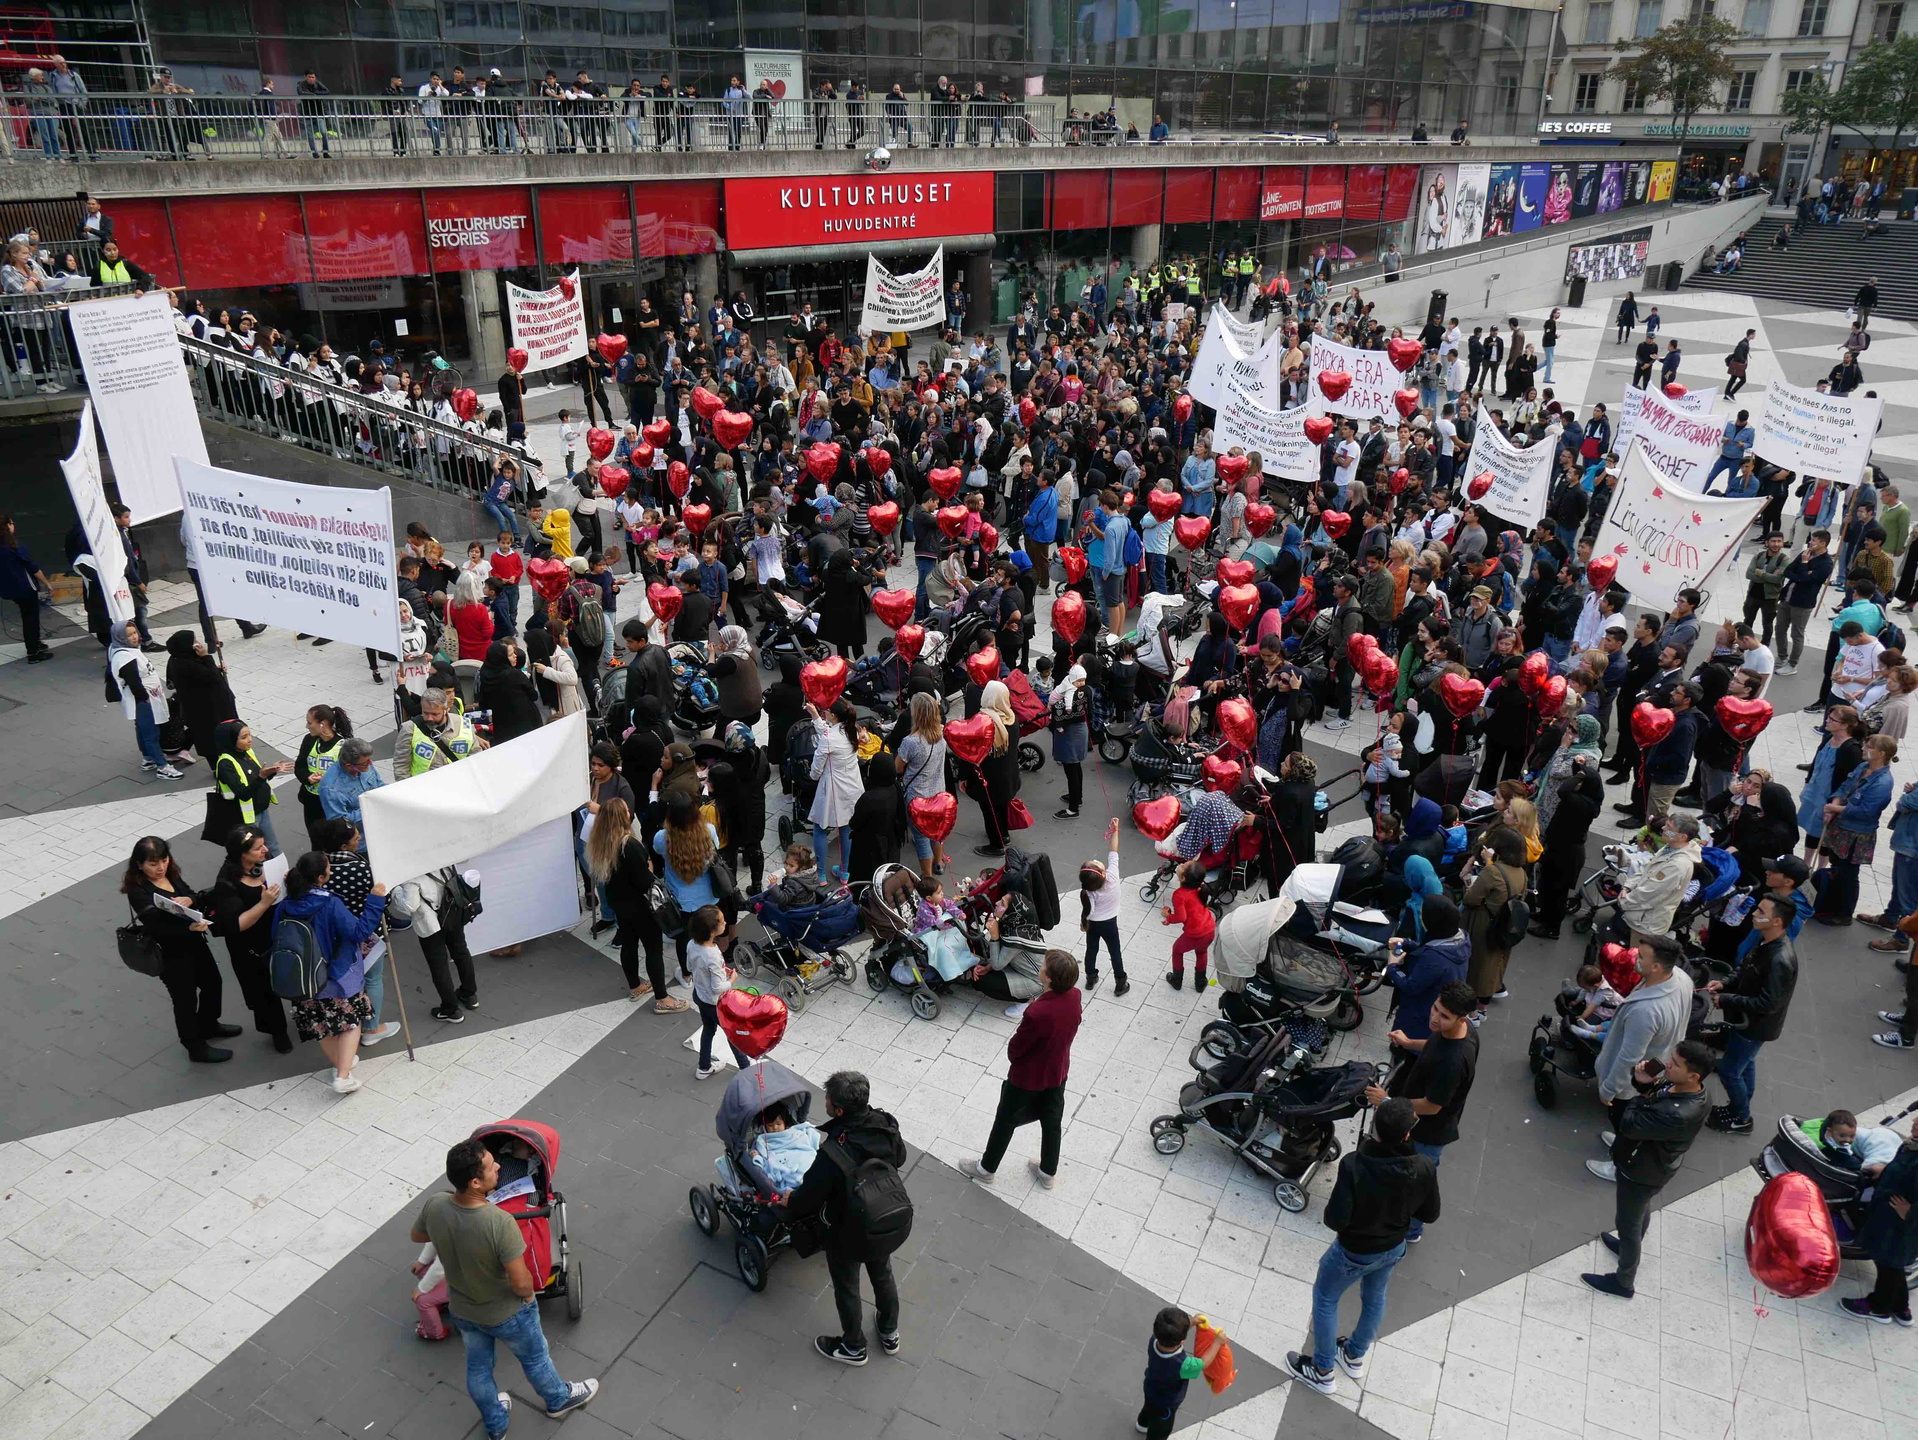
(459, 902)
(1513, 922)
(877, 1205)
(295, 966)
(1889, 635)
(1134, 547)
(589, 616)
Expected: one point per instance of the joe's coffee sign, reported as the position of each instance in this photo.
(833, 209)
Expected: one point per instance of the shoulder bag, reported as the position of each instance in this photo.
(139, 947)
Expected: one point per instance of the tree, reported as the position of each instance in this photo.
(1682, 64)
(1877, 100)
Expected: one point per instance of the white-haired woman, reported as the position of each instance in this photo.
(470, 616)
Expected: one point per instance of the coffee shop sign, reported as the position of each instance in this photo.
(1575, 127)
(1723, 132)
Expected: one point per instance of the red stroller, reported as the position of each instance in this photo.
(1034, 718)
(539, 1210)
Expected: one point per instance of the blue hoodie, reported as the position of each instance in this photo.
(1427, 970)
(340, 934)
(1042, 517)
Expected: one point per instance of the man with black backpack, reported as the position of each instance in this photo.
(856, 1193)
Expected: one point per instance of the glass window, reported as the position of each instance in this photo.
(638, 22)
(1738, 95)
(892, 28)
(705, 24)
(836, 27)
(774, 24)
(1887, 21)
(947, 33)
(1598, 23)
(1001, 34)
(1585, 92)
(200, 17)
(278, 17)
(1757, 17)
(1634, 97)
(1651, 14)
(1812, 15)
(481, 20)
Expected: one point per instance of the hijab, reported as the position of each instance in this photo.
(186, 670)
(1586, 741)
(496, 664)
(734, 641)
(1293, 543)
(1422, 881)
(996, 700)
(1423, 819)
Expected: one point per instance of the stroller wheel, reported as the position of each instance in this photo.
(925, 1004)
(751, 1258)
(1366, 984)
(1582, 925)
(1348, 1016)
(705, 1213)
(746, 958)
(793, 993)
(1536, 1058)
(1031, 757)
(875, 977)
(1221, 1039)
(842, 969)
(1545, 1087)
(1114, 749)
(785, 831)
(1290, 1195)
(1168, 1135)
(575, 1290)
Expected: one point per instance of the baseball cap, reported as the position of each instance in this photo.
(1483, 592)
(1791, 867)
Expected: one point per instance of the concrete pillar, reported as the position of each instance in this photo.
(705, 279)
(979, 290)
(1145, 246)
(485, 326)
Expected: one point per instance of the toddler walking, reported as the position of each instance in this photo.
(1189, 910)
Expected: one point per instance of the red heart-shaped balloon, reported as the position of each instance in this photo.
(1182, 408)
(466, 403)
(1238, 603)
(1358, 648)
(697, 517)
(1158, 818)
(1460, 694)
(1479, 485)
(1237, 572)
(517, 358)
(909, 640)
(893, 607)
(879, 461)
(1069, 616)
(883, 517)
(1028, 411)
(988, 536)
(1743, 720)
(971, 740)
(643, 455)
(983, 665)
(1336, 522)
(1674, 390)
(1403, 353)
(822, 459)
(1532, 671)
(1239, 722)
(944, 481)
(753, 1021)
(613, 347)
(1334, 383)
(1318, 428)
(665, 600)
(951, 519)
(1398, 480)
(1406, 402)
(567, 287)
(1260, 518)
(600, 442)
(1192, 531)
(613, 480)
(1650, 723)
(822, 680)
(705, 403)
(1163, 504)
(1381, 673)
(934, 815)
(1601, 571)
(1791, 1246)
(1620, 964)
(678, 478)
(1222, 774)
(731, 429)
(657, 433)
(549, 576)
(1073, 560)
(1232, 468)
(1549, 696)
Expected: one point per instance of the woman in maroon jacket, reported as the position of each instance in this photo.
(1035, 1087)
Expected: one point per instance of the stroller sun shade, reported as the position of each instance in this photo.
(1333, 1093)
(1298, 971)
(762, 1083)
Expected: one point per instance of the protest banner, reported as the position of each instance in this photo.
(136, 374)
(1692, 402)
(1220, 354)
(549, 325)
(1373, 382)
(1680, 447)
(82, 469)
(1829, 436)
(1521, 476)
(1665, 537)
(313, 558)
(1277, 436)
(913, 301)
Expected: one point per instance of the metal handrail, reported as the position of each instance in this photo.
(346, 425)
(180, 125)
(36, 343)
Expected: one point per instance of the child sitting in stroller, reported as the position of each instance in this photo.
(1598, 1003)
(783, 1150)
(940, 925)
(799, 886)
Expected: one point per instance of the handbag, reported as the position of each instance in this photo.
(672, 920)
(1017, 816)
(725, 886)
(139, 948)
(222, 818)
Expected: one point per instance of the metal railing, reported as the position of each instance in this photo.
(185, 126)
(39, 353)
(344, 424)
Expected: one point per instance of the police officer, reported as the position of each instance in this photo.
(439, 736)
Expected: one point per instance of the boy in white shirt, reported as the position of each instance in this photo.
(1099, 912)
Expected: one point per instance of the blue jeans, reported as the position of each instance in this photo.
(1548, 352)
(1739, 1071)
(49, 131)
(1723, 465)
(1339, 1269)
(1556, 648)
(1434, 1153)
(376, 991)
(845, 847)
(1904, 887)
(148, 734)
(316, 136)
(528, 1344)
(1155, 566)
(925, 564)
(436, 130)
(503, 517)
(599, 890)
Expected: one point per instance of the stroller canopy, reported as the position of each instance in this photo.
(543, 1139)
(762, 1083)
(1244, 932)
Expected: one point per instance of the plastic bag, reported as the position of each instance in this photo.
(1220, 1370)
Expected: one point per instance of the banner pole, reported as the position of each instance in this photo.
(399, 993)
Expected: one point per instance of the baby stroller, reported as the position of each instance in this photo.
(874, 684)
(791, 629)
(1162, 765)
(695, 694)
(1273, 1111)
(1792, 1150)
(1297, 990)
(1556, 1050)
(1357, 935)
(1228, 871)
(1032, 714)
(795, 771)
(740, 1194)
(898, 957)
(529, 1195)
(804, 945)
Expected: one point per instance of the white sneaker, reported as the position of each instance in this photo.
(706, 1074)
(1013, 1012)
(385, 1032)
(167, 772)
(1603, 1169)
(973, 1170)
(346, 1084)
(1787, 669)
(1046, 1182)
(1334, 722)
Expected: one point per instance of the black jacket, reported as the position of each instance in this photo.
(1655, 1130)
(1381, 1187)
(1758, 996)
(871, 1135)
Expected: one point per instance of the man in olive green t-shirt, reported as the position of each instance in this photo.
(490, 1289)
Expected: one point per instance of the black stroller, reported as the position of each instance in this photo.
(1558, 1050)
(742, 1194)
(796, 771)
(1162, 765)
(1792, 1149)
(1304, 992)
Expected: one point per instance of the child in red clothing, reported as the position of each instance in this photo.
(1189, 910)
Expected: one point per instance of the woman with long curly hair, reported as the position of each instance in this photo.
(621, 865)
(690, 846)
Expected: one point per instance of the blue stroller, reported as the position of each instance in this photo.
(805, 945)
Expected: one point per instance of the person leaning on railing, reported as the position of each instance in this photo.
(113, 268)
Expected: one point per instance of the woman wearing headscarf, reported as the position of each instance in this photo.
(994, 782)
(1421, 883)
(1493, 880)
(1757, 821)
(678, 775)
(1578, 738)
(142, 697)
(746, 818)
(242, 779)
(416, 659)
(842, 607)
(1289, 566)
(835, 766)
(1580, 796)
(1070, 739)
(1424, 835)
(878, 824)
(735, 671)
(508, 692)
(200, 691)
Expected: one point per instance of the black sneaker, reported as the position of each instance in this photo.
(448, 1014)
(1607, 1285)
(1199, 982)
(1729, 1125)
(1121, 987)
(1176, 979)
(889, 1343)
(469, 1002)
(1610, 1237)
(834, 1348)
(993, 852)
(1065, 813)
(1306, 1373)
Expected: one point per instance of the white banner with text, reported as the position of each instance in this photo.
(1277, 436)
(82, 469)
(1829, 436)
(1358, 384)
(549, 325)
(137, 377)
(1668, 538)
(1680, 447)
(915, 300)
(1521, 477)
(1692, 402)
(1221, 355)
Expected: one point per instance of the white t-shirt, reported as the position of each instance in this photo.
(1346, 459)
(1105, 900)
(1447, 433)
(1858, 663)
(1758, 660)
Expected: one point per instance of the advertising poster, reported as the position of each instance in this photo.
(1501, 206)
(1638, 180)
(1558, 198)
(1521, 477)
(1468, 207)
(1812, 434)
(784, 72)
(1611, 187)
(1585, 183)
(82, 469)
(1534, 187)
(136, 372)
(1664, 176)
(1616, 257)
(1369, 389)
(549, 325)
(914, 300)
(1667, 538)
(1438, 185)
